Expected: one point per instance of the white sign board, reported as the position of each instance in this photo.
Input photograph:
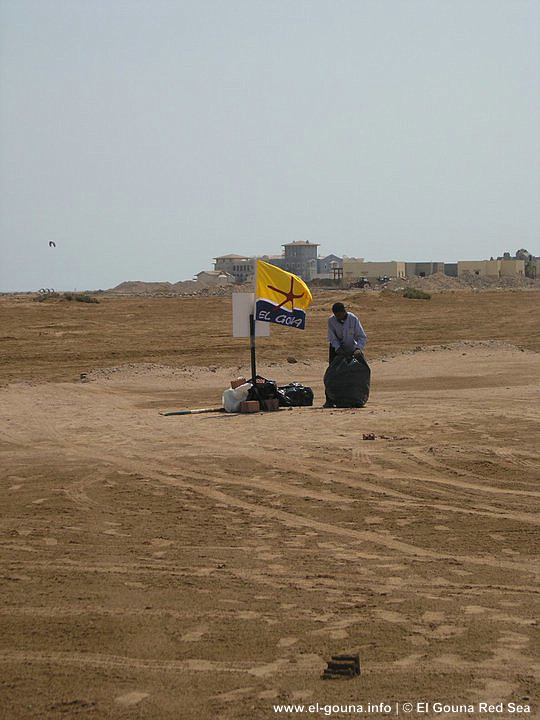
(243, 304)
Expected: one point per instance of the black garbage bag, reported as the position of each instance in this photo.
(292, 395)
(263, 389)
(346, 381)
(295, 395)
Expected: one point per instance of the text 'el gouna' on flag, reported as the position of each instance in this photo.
(281, 297)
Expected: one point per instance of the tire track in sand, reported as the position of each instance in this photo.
(190, 482)
(131, 663)
(403, 499)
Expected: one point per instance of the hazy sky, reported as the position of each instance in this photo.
(146, 137)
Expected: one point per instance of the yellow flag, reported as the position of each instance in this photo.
(281, 297)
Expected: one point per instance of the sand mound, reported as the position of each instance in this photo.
(182, 287)
(439, 281)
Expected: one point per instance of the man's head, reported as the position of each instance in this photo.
(339, 311)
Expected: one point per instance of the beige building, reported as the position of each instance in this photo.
(356, 268)
(491, 268)
(352, 268)
(214, 277)
(483, 268)
(511, 268)
(242, 268)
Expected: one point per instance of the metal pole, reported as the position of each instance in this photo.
(252, 346)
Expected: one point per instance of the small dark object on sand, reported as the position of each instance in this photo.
(342, 666)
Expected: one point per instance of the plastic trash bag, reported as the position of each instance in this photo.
(232, 397)
(296, 395)
(346, 381)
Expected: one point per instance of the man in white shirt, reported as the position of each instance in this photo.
(345, 335)
(345, 332)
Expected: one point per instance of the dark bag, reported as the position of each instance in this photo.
(295, 395)
(264, 390)
(346, 381)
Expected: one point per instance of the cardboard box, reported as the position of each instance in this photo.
(271, 404)
(250, 406)
(239, 381)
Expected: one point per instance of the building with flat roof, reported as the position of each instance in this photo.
(214, 277)
(422, 269)
(356, 268)
(491, 268)
(512, 267)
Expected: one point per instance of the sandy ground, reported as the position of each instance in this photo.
(208, 566)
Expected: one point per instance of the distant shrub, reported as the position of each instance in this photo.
(416, 294)
(81, 297)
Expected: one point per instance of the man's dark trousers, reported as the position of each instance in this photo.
(331, 355)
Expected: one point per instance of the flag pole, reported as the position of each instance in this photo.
(252, 329)
(252, 346)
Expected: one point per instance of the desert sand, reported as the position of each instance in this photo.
(208, 566)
